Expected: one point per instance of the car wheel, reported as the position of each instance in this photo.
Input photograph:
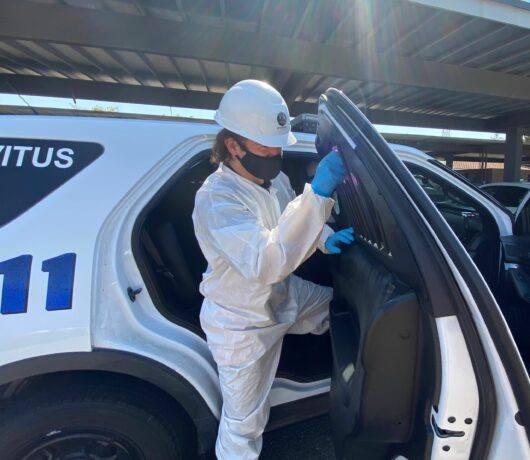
(98, 423)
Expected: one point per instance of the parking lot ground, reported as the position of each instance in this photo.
(310, 439)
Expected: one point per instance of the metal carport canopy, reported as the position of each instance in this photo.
(455, 64)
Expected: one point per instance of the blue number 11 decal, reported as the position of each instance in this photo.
(15, 288)
(16, 284)
(60, 281)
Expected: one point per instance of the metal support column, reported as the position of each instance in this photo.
(483, 166)
(513, 156)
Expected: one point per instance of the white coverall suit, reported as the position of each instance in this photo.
(253, 239)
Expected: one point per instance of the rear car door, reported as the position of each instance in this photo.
(415, 370)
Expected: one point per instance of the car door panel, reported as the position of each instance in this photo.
(384, 327)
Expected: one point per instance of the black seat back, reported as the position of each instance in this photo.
(186, 285)
(162, 245)
(375, 330)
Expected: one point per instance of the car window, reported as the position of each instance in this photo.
(470, 184)
(509, 196)
(460, 212)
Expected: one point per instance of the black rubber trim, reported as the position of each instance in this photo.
(434, 268)
(131, 364)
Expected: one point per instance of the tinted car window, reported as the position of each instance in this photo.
(462, 178)
(459, 211)
(509, 196)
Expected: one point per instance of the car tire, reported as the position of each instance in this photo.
(94, 423)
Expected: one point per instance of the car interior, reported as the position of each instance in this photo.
(472, 223)
(172, 263)
(510, 196)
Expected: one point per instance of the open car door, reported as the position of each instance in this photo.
(423, 363)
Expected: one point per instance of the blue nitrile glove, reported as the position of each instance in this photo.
(329, 174)
(342, 237)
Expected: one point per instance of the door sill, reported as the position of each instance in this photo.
(297, 411)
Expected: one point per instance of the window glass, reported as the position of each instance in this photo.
(460, 212)
(464, 179)
(509, 196)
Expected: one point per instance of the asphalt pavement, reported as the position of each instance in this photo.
(307, 440)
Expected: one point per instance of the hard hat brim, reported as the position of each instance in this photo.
(281, 140)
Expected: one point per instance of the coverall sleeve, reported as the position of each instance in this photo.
(261, 254)
(326, 233)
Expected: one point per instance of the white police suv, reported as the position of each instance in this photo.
(101, 351)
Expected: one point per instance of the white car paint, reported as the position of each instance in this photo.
(459, 393)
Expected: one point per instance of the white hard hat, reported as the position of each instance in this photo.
(255, 110)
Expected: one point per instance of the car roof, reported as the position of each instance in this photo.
(407, 151)
(525, 185)
(122, 118)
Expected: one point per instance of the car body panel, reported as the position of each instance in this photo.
(509, 439)
(111, 191)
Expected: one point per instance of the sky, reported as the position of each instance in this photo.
(145, 109)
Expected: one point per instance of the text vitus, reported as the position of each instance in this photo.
(39, 157)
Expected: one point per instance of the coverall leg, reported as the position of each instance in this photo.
(246, 380)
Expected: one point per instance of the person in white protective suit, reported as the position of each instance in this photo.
(254, 232)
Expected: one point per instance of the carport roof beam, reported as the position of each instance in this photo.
(513, 12)
(61, 87)
(34, 21)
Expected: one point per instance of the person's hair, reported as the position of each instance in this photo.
(219, 151)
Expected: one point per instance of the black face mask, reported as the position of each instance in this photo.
(266, 168)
